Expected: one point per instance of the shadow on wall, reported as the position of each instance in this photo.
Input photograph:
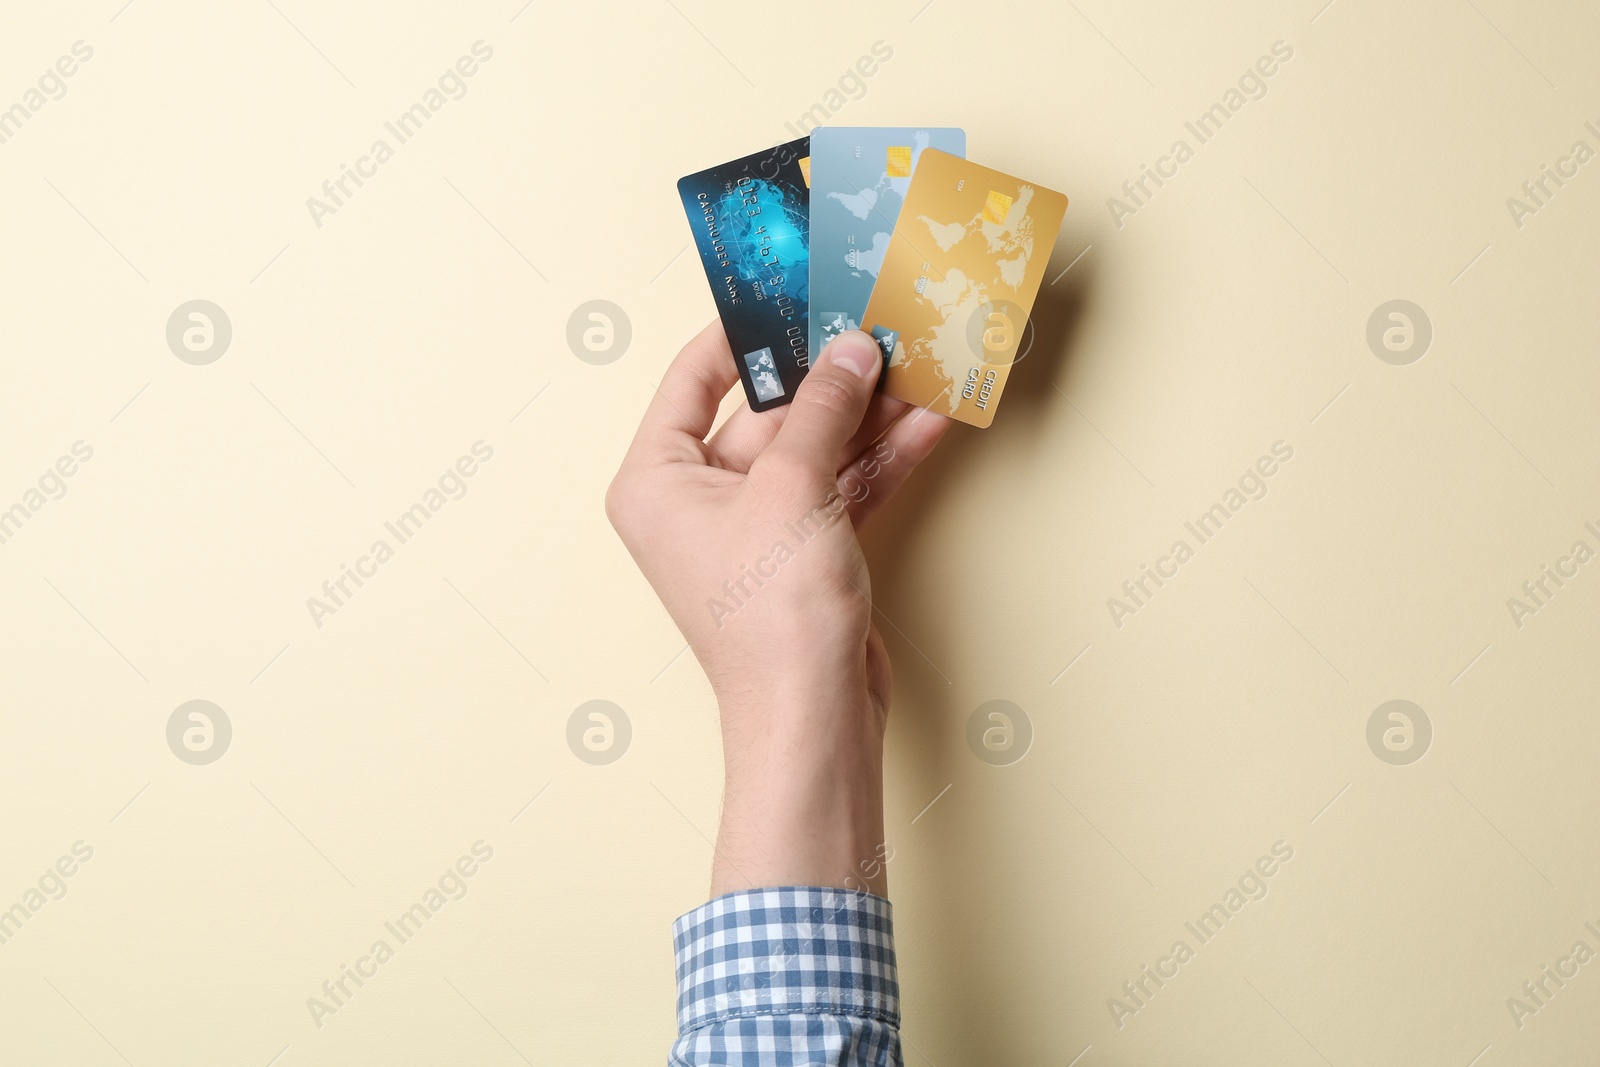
(964, 924)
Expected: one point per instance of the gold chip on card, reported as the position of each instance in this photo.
(996, 207)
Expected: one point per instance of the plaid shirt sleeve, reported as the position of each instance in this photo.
(796, 976)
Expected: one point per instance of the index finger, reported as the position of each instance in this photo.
(687, 399)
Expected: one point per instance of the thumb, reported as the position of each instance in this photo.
(830, 403)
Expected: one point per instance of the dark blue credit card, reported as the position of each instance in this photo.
(752, 224)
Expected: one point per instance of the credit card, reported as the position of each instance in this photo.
(859, 178)
(750, 222)
(957, 285)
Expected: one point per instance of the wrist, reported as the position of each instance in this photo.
(803, 796)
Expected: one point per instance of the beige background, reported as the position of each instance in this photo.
(367, 355)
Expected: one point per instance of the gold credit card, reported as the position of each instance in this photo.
(957, 284)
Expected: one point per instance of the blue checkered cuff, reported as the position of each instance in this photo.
(792, 950)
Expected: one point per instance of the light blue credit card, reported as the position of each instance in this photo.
(859, 177)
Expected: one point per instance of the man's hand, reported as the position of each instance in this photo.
(749, 540)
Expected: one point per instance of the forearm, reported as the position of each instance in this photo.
(803, 795)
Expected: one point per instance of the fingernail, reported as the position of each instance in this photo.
(856, 353)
